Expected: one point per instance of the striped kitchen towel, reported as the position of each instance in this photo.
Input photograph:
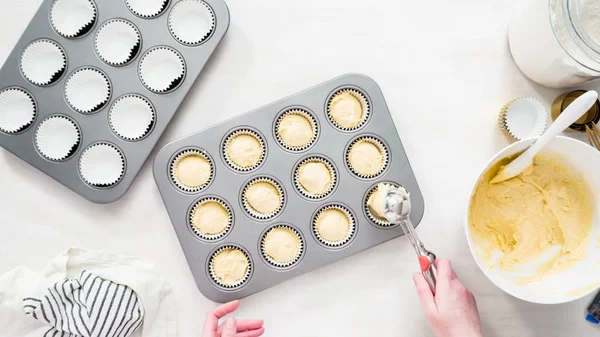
(87, 307)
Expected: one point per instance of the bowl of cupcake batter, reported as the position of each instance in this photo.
(537, 236)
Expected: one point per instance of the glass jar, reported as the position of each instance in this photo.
(556, 43)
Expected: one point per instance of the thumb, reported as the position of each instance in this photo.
(230, 329)
(425, 294)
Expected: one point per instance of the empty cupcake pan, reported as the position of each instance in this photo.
(73, 101)
(298, 210)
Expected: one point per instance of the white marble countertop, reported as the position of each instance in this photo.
(445, 69)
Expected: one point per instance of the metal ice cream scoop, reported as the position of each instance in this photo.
(397, 211)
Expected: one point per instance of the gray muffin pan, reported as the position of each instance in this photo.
(124, 79)
(298, 211)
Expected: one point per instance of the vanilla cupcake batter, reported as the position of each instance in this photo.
(346, 110)
(211, 218)
(282, 245)
(263, 197)
(193, 171)
(230, 266)
(548, 204)
(295, 130)
(365, 158)
(244, 150)
(333, 225)
(315, 177)
(376, 201)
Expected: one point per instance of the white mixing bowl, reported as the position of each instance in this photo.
(584, 277)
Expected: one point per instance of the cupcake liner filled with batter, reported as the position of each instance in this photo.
(192, 170)
(43, 62)
(132, 117)
(73, 18)
(315, 177)
(244, 150)
(117, 42)
(367, 157)
(211, 218)
(87, 90)
(18, 110)
(230, 266)
(57, 137)
(263, 198)
(147, 9)
(162, 69)
(102, 165)
(296, 130)
(282, 246)
(334, 225)
(348, 109)
(191, 22)
(374, 201)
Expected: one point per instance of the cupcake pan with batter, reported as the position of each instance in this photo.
(112, 73)
(297, 210)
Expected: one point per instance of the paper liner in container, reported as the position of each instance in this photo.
(18, 110)
(211, 236)
(218, 281)
(297, 147)
(365, 107)
(57, 137)
(43, 62)
(162, 69)
(147, 9)
(102, 165)
(117, 42)
(177, 160)
(256, 214)
(332, 174)
(382, 150)
(191, 22)
(87, 90)
(131, 117)
(282, 264)
(240, 132)
(379, 221)
(351, 226)
(73, 18)
(523, 118)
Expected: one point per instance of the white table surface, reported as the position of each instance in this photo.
(445, 69)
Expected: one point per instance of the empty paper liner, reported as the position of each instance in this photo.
(102, 165)
(18, 110)
(87, 90)
(191, 22)
(57, 137)
(147, 9)
(73, 18)
(118, 42)
(162, 69)
(132, 117)
(43, 62)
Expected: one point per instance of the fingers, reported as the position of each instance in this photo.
(229, 330)
(212, 317)
(251, 333)
(244, 325)
(425, 294)
(445, 273)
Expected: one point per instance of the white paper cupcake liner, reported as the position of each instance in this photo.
(102, 165)
(313, 122)
(73, 18)
(162, 69)
(351, 230)
(382, 148)
(372, 217)
(57, 137)
(241, 132)
(87, 90)
(210, 237)
(43, 62)
(216, 279)
(117, 42)
(364, 102)
(18, 110)
(182, 155)
(131, 117)
(523, 118)
(191, 22)
(147, 8)
(276, 263)
(332, 172)
(251, 211)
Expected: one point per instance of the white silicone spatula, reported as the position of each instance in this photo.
(571, 114)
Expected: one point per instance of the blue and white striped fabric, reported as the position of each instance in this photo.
(87, 307)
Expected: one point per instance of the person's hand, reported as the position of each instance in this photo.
(452, 311)
(231, 327)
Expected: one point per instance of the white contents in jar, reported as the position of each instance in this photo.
(542, 42)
